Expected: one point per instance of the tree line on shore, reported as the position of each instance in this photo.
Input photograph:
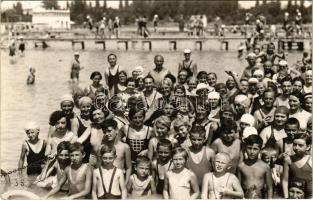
(169, 11)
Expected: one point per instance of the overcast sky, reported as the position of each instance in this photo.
(114, 4)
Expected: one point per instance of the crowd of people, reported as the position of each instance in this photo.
(182, 136)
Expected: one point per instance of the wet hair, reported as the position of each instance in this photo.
(107, 149)
(254, 139)
(201, 73)
(134, 111)
(135, 102)
(56, 116)
(293, 121)
(307, 138)
(212, 73)
(64, 145)
(113, 102)
(297, 79)
(165, 143)
(180, 87)
(122, 72)
(282, 109)
(286, 79)
(180, 150)
(76, 146)
(300, 184)
(95, 73)
(171, 77)
(110, 123)
(112, 54)
(148, 76)
(143, 159)
(197, 129)
(163, 120)
(130, 79)
(180, 122)
(229, 126)
(137, 81)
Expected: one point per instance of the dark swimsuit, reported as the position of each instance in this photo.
(35, 160)
(21, 47)
(86, 144)
(187, 68)
(160, 182)
(136, 146)
(113, 80)
(107, 194)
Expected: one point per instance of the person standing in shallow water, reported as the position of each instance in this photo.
(187, 64)
(75, 68)
(159, 72)
(112, 74)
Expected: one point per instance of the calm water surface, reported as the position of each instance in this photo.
(21, 103)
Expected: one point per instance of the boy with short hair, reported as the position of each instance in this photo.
(78, 174)
(253, 173)
(141, 183)
(162, 164)
(182, 127)
(221, 184)
(228, 143)
(123, 158)
(108, 180)
(200, 157)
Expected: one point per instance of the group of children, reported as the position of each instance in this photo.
(183, 137)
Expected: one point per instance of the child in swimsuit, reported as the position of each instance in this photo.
(163, 163)
(180, 182)
(108, 180)
(45, 180)
(199, 157)
(136, 134)
(299, 165)
(162, 127)
(33, 149)
(182, 127)
(31, 76)
(78, 175)
(141, 183)
(221, 184)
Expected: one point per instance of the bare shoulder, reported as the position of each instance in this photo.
(209, 151)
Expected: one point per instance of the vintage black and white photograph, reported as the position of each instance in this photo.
(156, 99)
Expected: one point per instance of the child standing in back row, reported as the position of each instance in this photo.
(34, 150)
(180, 182)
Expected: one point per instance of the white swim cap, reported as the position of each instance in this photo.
(258, 72)
(253, 80)
(139, 69)
(84, 100)
(213, 95)
(251, 55)
(187, 51)
(201, 86)
(247, 118)
(76, 53)
(249, 131)
(31, 126)
(67, 97)
(243, 100)
(283, 63)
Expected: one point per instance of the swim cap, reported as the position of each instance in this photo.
(139, 69)
(243, 100)
(67, 97)
(282, 63)
(300, 184)
(249, 131)
(258, 72)
(253, 80)
(187, 51)
(84, 100)
(247, 118)
(282, 109)
(31, 126)
(251, 55)
(76, 53)
(202, 86)
(307, 95)
(213, 95)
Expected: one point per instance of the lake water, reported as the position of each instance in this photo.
(21, 103)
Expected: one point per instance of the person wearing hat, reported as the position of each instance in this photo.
(307, 102)
(75, 68)
(187, 64)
